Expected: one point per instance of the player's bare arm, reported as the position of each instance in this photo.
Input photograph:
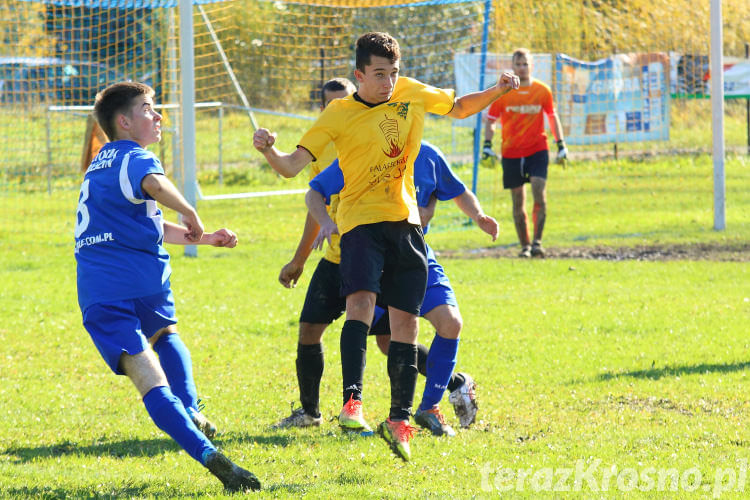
(427, 213)
(291, 272)
(557, 131)
(475, 102)
(161, 189)
(316, 205)
(469, 204)
(175, 235)
(286, 164)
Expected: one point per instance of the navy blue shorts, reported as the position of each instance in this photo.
(387, 258)
(124, 326)
(517, 171)
(439, 292)
(323, 302)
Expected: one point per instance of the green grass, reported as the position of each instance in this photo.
(637, 364)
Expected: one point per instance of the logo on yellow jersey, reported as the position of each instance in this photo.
(389, 127)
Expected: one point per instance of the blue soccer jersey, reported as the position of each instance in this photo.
(432, 177)
(119, 229)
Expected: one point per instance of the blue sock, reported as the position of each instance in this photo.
(174, 358)
(169, 415)
(440, 364)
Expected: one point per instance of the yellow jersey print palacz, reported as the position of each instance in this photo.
(376, 146)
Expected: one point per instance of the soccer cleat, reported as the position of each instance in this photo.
(537, 250)
(464, 401)
(298, 418)
(233, 477)
(398, 434)
(525, 252)
(433, 420)
(351, 417)
(201, 422)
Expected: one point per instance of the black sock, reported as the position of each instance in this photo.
(457, 380)
(353, 352)
(309, 372)
(422, 352)
(402, 370)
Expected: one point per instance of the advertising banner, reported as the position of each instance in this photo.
(618, 99)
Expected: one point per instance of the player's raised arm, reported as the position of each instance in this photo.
(286, 164)
(475, 102)
(469, 204)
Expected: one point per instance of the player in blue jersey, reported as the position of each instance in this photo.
(434, 180)
(123, 273)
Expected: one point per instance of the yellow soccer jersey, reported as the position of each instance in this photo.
(376, 148)
(333, 252)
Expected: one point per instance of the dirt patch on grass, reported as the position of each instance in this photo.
(734, 252)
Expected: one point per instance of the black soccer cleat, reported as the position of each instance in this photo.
(233, 477)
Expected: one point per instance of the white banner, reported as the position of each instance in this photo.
(690, 76)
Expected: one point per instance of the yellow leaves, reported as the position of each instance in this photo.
(597, 28)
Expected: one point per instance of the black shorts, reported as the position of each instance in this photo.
(323, 302)
(517, 171)
(387, 258)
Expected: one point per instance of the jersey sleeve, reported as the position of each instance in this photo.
(494, 112)
(140, 164)
(322, 133)
(448, 185)
(329, 182)
(436, 100)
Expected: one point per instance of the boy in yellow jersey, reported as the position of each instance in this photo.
(323, 302)
(525, 154)
(377, 132)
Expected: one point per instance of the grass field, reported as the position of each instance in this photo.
(611, 379)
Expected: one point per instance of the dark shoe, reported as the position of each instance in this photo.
(433, 420)
(298, 418)
(537, 250)
(233, 477)
(525, 252)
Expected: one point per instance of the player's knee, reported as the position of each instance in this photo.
(451, 329)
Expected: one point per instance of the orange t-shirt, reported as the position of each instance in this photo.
(522, 120)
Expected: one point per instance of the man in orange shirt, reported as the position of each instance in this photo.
(525, 154)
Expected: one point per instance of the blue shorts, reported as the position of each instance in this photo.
(517, 171)
(124, 326)
(439, 292)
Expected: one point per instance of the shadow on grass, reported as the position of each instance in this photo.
(144, 447)
(677, 371)
(118, 449)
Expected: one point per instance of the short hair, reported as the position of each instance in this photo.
(378, 44)
(336, 85)
(521, 52)
(115, 99)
